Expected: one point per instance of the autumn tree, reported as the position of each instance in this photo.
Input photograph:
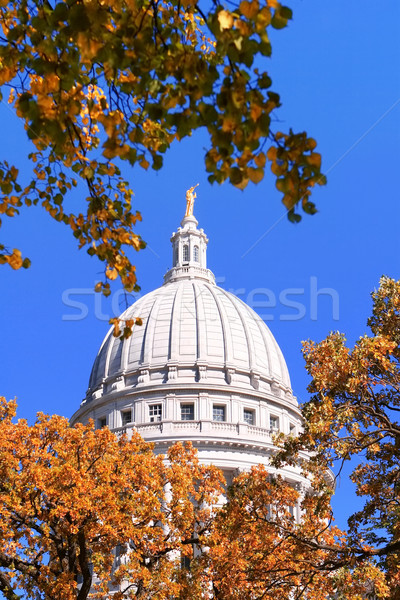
(86, 513)
(97, 83)
(353, 414)
(261, 549)
(82, 510)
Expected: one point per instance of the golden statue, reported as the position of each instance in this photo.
(190, 196)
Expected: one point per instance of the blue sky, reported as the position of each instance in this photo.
(336, 68)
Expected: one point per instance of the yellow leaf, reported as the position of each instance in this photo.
(249, 9)
(260, 160)
(255, 175)
(144, 163)
(279, 169)
(15, 260)
(225, 19)
(228, 124)
(314, 160)
(272, 152)
(311, 144)
(242, 184)
(256, 111)
(111, 273)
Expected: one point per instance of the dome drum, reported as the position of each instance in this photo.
(195, 376)
(196, 413)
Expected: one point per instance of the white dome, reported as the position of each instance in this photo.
(198, 330)
(203, 367)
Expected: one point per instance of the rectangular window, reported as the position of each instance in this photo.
(218, 413)
(187, 412)
(274, 422)
(155, 412)
(126, 417)
(185, 562)
(102, 422)
(248, 416)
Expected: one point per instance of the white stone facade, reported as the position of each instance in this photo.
(203, 367)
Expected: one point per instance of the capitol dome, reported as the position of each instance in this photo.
(202, 367)
(193, 331)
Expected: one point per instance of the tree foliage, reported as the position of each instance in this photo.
(85, 513)
(353, 413)
(262, 549)
(98, 82)
(71, 496)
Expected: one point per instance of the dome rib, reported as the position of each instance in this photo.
(148, 334)
(188, 324)
(173, 339)
(110, 348)
(132, 312)
(213, 326)
(239, 346)
(199, 308)
(248, 336)
(266, 351)
(114, 359)
(284, 374)
(226, 334)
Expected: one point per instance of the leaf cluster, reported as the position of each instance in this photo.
(353, 413)
(262, 549)
(96, 83)
(83, 511)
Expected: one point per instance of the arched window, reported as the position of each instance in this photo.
(196, 254)
(176, 256)
(185, 253)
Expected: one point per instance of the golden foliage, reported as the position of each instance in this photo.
(70, 496)
(353, 413)
(96, 83)
(85, 513)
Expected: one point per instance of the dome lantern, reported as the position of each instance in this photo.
(189, 248)
(189, 253)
